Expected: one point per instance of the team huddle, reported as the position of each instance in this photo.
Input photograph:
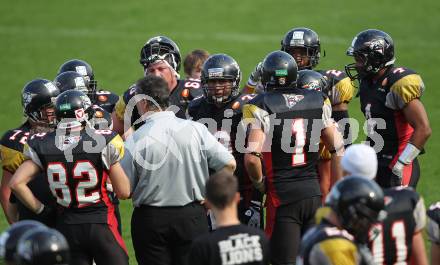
(219, 173)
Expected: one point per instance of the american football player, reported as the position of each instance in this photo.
(397, 123)
(160, 56)
(78, 161)
(291, 120)
(103, 98)
(222, 103)
(355, 204)
(37, 96)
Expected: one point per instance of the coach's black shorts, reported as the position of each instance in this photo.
(94, 242)
(289, 223)
(163, 235)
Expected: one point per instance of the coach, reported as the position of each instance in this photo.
(168, 161)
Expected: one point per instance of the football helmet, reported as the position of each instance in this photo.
(37, 95)
(82, 68)
(160, 48)
(303, 38)
(71, 80)
(358, 202)
(312, 80)
(42, 246)
(220, 67)
(373, 50)
(9, 238)
(279, 70)
(72, 109)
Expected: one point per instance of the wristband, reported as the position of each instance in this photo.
(40, 210)
(409, 154)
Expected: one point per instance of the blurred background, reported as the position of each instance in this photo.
(36, 37)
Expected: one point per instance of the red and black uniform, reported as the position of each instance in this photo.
(12, 148)
(292, 120)
(382, 102)
(227, 120)
(77, 167)
(391, 240)
(181, 95)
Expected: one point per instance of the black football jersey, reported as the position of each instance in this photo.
(12, 147)
(77, 167)
(382, 103)
(106, 100)
(391, 239)
(227, 120)
(237, 244)
(433, 229)
(183, 93)
(292, 120)
(326, 244)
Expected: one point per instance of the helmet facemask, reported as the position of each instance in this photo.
(221, 90)
(157, 51)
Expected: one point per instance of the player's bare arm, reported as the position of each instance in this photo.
(18, 184)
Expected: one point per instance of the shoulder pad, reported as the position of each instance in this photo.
(405, 85)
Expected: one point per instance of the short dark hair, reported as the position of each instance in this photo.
(194, 60)
(155, 87)
(221, 189)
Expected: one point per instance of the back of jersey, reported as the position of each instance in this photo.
(77, 167)
(292, 120)
(391, 240)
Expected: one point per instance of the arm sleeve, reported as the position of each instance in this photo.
(342, 91)
(334, 251)
(420, 214)
(404, 90)
(30, 153)
(255, 115)
(11, 159)
(327, 113)
(113, 152)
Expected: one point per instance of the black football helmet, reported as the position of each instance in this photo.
(73, 108)
(279, 70)
(160, 48)
(71, 80)
(373, 50)
(358, 202)
(220, 67)
(9, 238)
(303, 38)
(312, 80)
(35, 96)
(42, 246)
(82, 68)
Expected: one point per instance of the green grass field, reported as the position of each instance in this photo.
(36, 37)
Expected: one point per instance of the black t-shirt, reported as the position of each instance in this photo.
(237, 244)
